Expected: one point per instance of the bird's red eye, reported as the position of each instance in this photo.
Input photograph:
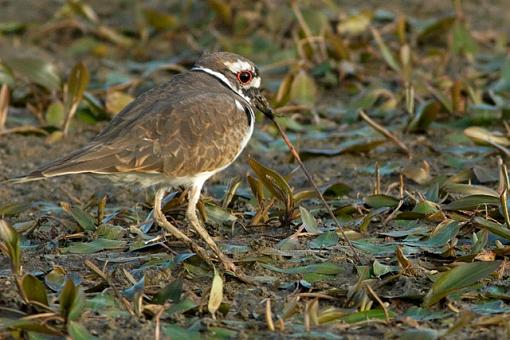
(244, 76)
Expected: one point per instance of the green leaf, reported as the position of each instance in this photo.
(439, 238)
(309, 221)
(374, 248)
(380, 269)
(131, 293)
(257, 188)
(273, 181)
(420, 334)
(223, 9)
(349, 146)
(425, 115)
(218, 333)
(315, 277)
(36, 70)
(491, 307)
(34, 289)
(72, 301)
(495, 228)
(107, 305)
(305, 194)
(9, 237)
(442, 98)
(459, 277)
(366, 315)
(481, 242)
(423, 314)
(472, 201)
(178, 332)
(388, 57)
(84, 219)
(469, 189)
(79, 332)
(303, 89)
(116, 101)
(219, 215)
(483, 136)
(282, 96)
(56, 279)
(425, 207)
(381, 201)
(109, 231)
(13, 209)
(502, 85)
(327, 239)
(337, 190)
(320, 268)
(94, 246)
(30, 326)
(288, 243)
(463, 42)
(356, 23)
(181, 307)
(172, 292)
(76, 84)
(6, 76)
(159, 20)
(55, 114)
(435, 28)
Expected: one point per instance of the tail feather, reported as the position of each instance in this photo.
(47, 172)
(69, 164)
(24, 179)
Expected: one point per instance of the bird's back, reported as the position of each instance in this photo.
(178, 129)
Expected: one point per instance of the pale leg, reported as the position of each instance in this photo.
(161, 220)
(191, 214)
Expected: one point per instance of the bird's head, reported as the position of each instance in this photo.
(239, 74)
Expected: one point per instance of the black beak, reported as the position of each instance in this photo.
(263, 106)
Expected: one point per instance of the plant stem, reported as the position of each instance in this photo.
(312, 182)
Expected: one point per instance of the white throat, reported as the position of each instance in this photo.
(223, 79)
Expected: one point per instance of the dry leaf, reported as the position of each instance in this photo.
(216, 295)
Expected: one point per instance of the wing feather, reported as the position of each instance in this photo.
(160, 133)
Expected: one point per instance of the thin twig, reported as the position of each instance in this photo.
(312, 182)
(304, 26)
(269, 316)
(92, 266)
(4, 105)
(377, 189)
(378, 299)
(157, 332)
(385, 133)
(316, 295)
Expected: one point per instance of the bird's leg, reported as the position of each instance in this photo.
(191, 214)
(161, 220)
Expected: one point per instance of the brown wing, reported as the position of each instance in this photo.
(200, 133)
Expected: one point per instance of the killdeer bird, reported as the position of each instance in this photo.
(179, 133)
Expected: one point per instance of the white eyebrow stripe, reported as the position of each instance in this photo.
(215, 74)
(238, 65)
(222, 78)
